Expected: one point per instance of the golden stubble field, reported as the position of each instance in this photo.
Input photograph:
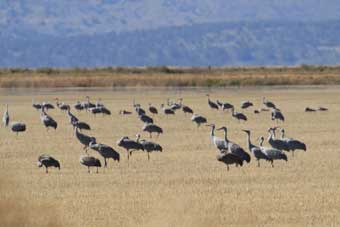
(182, 186)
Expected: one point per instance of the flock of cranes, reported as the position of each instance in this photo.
(229, 152)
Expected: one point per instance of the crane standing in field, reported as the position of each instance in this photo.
(5, 118)
(293, 144)
(153, 109)
(47, 161)
(246, 104)
(238, 116)
(90, 161)
(129, 145)
(255, 150)
(152, 128)
(235, 148)
(211, 103)
(150, 147)
(229, 159)
(18, 127)
(277, 115)
(62, 106)
(276, 143)
(219, 143)
(225, 105)
(84, 139)
(272, 153)
(268, 104)
(198, 119)
(47, 120)
(105, 151)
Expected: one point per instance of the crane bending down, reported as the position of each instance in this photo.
(48, 161)
(272, 153)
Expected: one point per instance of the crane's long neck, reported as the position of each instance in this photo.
(226, 135)
(250, 145)
(261, 142)
(270, 136)
(212, 133)
(282, 134)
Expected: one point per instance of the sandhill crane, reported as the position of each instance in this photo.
(62, 106)
(235, 148)
(78, 106)
(71, 117)
(150, 128)
(276, 143)
(175, 106)
(18, 127)
(198, 119)
(322, 109)
(84, 139)
(153, 109)
(87, 105)
(36, 106)
(293, 144)
(146, 119)
(104, 110)
(277, 115)
(238, 116)
(220, 143)
(246, 104)
(47, 161)
(5, 118)
(229, 159)
(129, 145)
(81, 125)
(308, 109)
(257, 111)
(47, 106)
(272, 153)
(255, 150)
(124, 112)
(90, 161)
(225, 105)
(105, 151)
(167, 111)
(150, 147)
(211, 103)
(47, 120)
(268, 104)
(187, 109)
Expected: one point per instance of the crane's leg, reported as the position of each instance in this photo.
(148, 156)
(46, 169)
(88, 169)
(258, 162)
(97, 169)
(105, 163)
(293, 152)
(272, 162)
(227, 167)
(128, 154)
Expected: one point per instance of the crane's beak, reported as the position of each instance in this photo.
(220, 129)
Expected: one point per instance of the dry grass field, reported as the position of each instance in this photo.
(182, 186)
(169, 76)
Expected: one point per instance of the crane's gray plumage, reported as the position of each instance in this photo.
(47, 106)
(293, 144)
(272, 153)
(47, 161)
(152, 128)
(72, 118)
(276, 143)
(105, 151)
(152, 109)
(78, 106)
(5, 118)
(198, 119)
(145, 119)
(211, 103)
(322, 109)
(18, 127)
(225, 105)
(47, 120)
(268, 103)
(150, 147)
(220, 143)
(36, 106)
(125, 112)
(62, 106)
(187, 109)
(81, 125)
(238, 116)
(229, 159)
(167, 111)
(235, 148)
(84, 139)
(255, 150)
(246, 104)
(90, 161)
(129, 145)
(277, 115)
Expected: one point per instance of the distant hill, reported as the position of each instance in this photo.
(40, 33)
